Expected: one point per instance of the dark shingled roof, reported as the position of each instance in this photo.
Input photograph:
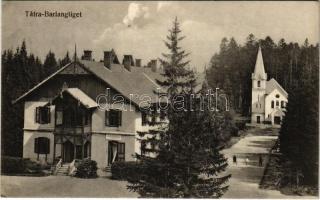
(140, 80)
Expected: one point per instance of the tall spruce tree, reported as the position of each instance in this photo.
(181, 158)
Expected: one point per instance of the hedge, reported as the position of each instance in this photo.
(87, 168)
(17, 165)
(126, 170)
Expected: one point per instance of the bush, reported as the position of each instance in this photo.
(126, 170)
(87, 168)
(25, 166)
(12, 165)
(241, 125)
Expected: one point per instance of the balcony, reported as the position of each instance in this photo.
(74, 130)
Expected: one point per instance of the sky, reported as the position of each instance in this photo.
(140, 28)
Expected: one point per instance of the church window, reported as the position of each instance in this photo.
(277, 96)
(277, 103)
(258, 83)
(272, 104)
(282, 104)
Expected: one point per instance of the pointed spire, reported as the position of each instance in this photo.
(75, 53)
(259, 72)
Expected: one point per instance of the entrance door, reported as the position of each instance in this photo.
(277, 120)
(258, 119)
(68, 151)
(116, 152)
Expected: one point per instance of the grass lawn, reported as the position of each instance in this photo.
(63, 186)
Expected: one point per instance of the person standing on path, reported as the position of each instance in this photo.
(234, 159)
(260, 160)
(246, 160)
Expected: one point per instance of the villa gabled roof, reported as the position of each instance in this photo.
(81, 97)
(129, 84)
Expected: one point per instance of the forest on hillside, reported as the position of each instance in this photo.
(230, 69)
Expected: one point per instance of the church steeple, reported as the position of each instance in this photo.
(259, 72)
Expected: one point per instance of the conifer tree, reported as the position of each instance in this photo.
(181, 158)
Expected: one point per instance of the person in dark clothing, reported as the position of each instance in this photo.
(234, 159)
(260, 160)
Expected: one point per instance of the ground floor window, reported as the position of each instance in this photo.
(41, 146)
(116, 152)
(258, 119)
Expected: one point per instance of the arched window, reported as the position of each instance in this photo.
(272, 104)
(258, 83)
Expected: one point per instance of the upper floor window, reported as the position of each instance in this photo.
(113, 118)
(277, 103)
(272, 104)
(282, 104)
(41, 145)
(43, 115)
(259, 84)
(277, 96)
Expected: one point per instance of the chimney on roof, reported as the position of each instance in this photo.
(138, 62)
(87, 55)
(128, 62)
(153, 65)
(108, 59)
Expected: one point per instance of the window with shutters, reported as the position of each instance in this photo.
(121, 152)
(43, 115)
(113, 118)
(41, 145)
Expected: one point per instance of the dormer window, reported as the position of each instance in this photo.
(258, 83)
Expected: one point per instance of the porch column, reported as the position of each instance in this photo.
(54, 148)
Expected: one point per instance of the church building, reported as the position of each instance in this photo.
(269, 99)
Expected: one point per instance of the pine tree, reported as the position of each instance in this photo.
(181, 158)
(50, 64)
(65, 60)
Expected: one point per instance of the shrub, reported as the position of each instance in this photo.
(87, 168)
(11, 165)
(126, 170)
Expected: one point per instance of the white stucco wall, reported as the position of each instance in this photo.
(28, 145)
(127, 133)
(30, 116)
(272, 97)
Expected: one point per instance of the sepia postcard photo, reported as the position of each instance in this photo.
(160, 99)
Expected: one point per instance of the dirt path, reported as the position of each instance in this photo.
(245, 179)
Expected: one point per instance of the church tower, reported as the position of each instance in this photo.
(259, 79)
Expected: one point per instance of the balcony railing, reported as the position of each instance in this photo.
(72, 129)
